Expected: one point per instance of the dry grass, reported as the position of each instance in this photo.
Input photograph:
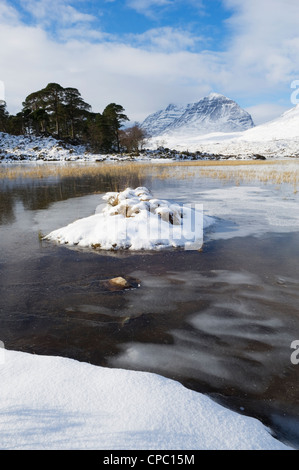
(238, 171)
(69, 170)
(274, 172)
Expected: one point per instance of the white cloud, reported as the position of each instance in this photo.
(8, 14)
(265, 39)
(146, 7)
(151, 8)
(266, 112)
(148, 71)
(141, 81)
(166, 39)
(61, 12)
(104, 71)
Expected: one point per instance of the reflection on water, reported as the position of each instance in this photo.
(220, 321)
(233, 335)
(38, 194)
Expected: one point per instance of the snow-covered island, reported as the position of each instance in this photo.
(134, 220)
(55, 403)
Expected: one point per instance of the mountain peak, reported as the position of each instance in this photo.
(171, 107)
(213, 113)
(215, 96)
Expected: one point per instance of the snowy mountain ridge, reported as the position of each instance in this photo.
(276, 138)
(214, 113)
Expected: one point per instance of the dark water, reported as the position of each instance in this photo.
(220, 321)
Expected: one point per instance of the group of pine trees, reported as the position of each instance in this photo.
(62, 113)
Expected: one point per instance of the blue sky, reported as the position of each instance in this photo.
(145, 54)
(124, 18)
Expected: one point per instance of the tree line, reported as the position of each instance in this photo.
(62, 113)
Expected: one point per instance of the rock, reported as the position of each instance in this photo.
(119, 281)
(260, 157)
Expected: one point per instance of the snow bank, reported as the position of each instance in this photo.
(134, 220)
(57, 403)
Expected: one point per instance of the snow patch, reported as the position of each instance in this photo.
(55, 403)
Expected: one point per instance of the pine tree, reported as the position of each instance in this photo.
(75, 109)
(113, 119)
(53, 95)
(34, 119)
(55, 110)
(62, 113)
(4, 117)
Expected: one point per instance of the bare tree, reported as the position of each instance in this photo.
(133, 138)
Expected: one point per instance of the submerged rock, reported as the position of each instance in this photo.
(121, 283)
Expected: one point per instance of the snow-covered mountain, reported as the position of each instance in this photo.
(156, 123)
(276, 138)
(214, 113)
(285, 126)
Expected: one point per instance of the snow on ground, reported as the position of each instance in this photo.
(52, 403)
(28, 148)
(134, 220)
(229, 145)
(47, 149)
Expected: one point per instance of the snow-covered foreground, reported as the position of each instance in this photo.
(134, 220)
(58, 403)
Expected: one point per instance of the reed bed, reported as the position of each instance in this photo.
(70, 170)
(273, 172)
(238, 171)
